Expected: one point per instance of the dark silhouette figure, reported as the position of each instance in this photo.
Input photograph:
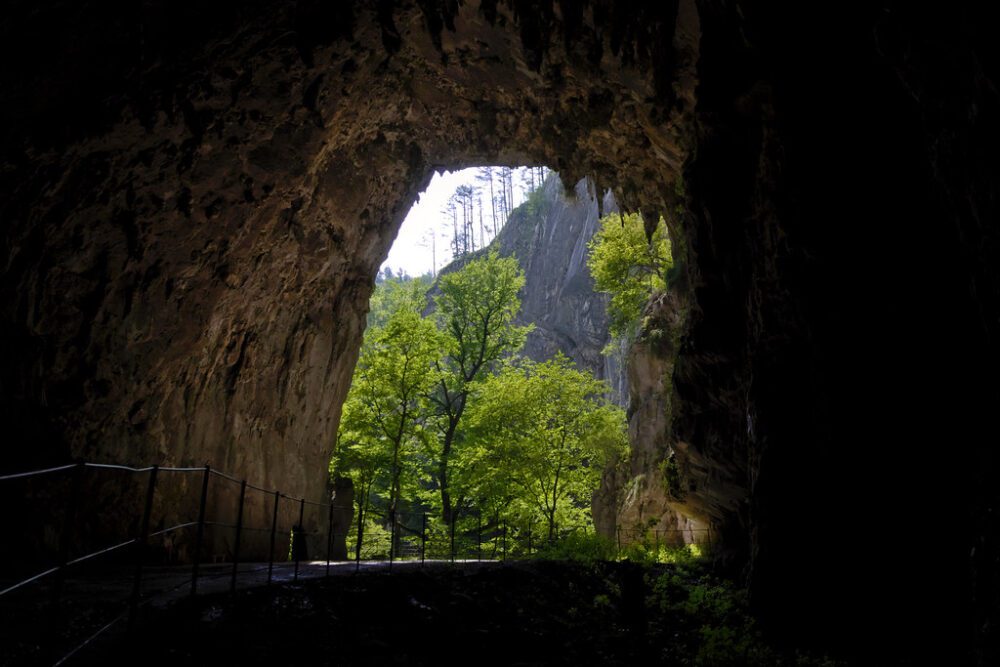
(299, 550)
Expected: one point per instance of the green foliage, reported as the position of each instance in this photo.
(536, 203)
(724, 632)
(710, 619)
(476, 308)
(382, 423)
(671, 474)
(375, 544)
(579, 546)
(648, 552)
(442, 417)
(542, 433)
(395, 294)
(628, 266)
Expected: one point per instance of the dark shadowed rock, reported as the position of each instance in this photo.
(196, 197)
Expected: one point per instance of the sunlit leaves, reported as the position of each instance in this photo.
(394, 294)
(442, 414)
(384, 415)
(628, 266)
(476, 308)
(542, 433)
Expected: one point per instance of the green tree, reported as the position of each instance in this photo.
(476, 308)
(628, 266)
(360, 455)
(383, 424)
(393, 294)
(542, 434)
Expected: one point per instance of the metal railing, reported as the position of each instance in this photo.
(411, 535)
(446, 540)
(136, 547)
(663, 537)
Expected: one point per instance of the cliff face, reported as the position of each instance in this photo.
(549, 236)
(196, 197)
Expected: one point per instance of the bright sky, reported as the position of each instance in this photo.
(412, 251)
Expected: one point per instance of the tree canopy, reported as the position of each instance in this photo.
(542, 434)
(476, 308)
(443, 416)
(383, 420)
(628, 266)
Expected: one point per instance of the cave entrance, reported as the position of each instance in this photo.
(218, 234)
(190, 250)
(487, 400)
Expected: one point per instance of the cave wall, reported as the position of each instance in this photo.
(844, 326)
(196, 197)
(196, 200)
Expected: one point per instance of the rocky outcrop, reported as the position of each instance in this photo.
(549, 234)
(196, 197)
(189, 258)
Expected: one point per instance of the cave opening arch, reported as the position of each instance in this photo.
(192, 247)
(292, 168)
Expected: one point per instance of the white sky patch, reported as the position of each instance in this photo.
(412, 251)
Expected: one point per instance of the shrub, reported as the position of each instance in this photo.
(579, 546)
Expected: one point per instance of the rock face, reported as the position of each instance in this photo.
(189, 259)
(196, 197)
(549, 237)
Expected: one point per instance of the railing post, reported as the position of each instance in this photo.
(361, 535)
(504, 556)
(392, 537)
(274, 533)
(529, 539)
(295, 551)
(140, 547)
(329, 538)
(423, 538)
(479, 537)
(239, 534)
(200, 535)
(67, 530)
(454, 515)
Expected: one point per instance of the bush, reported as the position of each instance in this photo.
(644, 553)
(578, 546)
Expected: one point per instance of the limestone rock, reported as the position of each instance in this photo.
(196, 196)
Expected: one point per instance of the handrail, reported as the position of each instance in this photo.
(137, 544)
(29, 580)
(115, 466)
(95, 554)
(259, 488)
(173, 528)
(219, 473)
(33, 473)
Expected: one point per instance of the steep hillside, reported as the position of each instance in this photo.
(548, 234)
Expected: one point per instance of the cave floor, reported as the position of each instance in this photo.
(517, 613)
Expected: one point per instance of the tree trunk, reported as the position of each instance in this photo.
(449, 437)
(493, 201)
